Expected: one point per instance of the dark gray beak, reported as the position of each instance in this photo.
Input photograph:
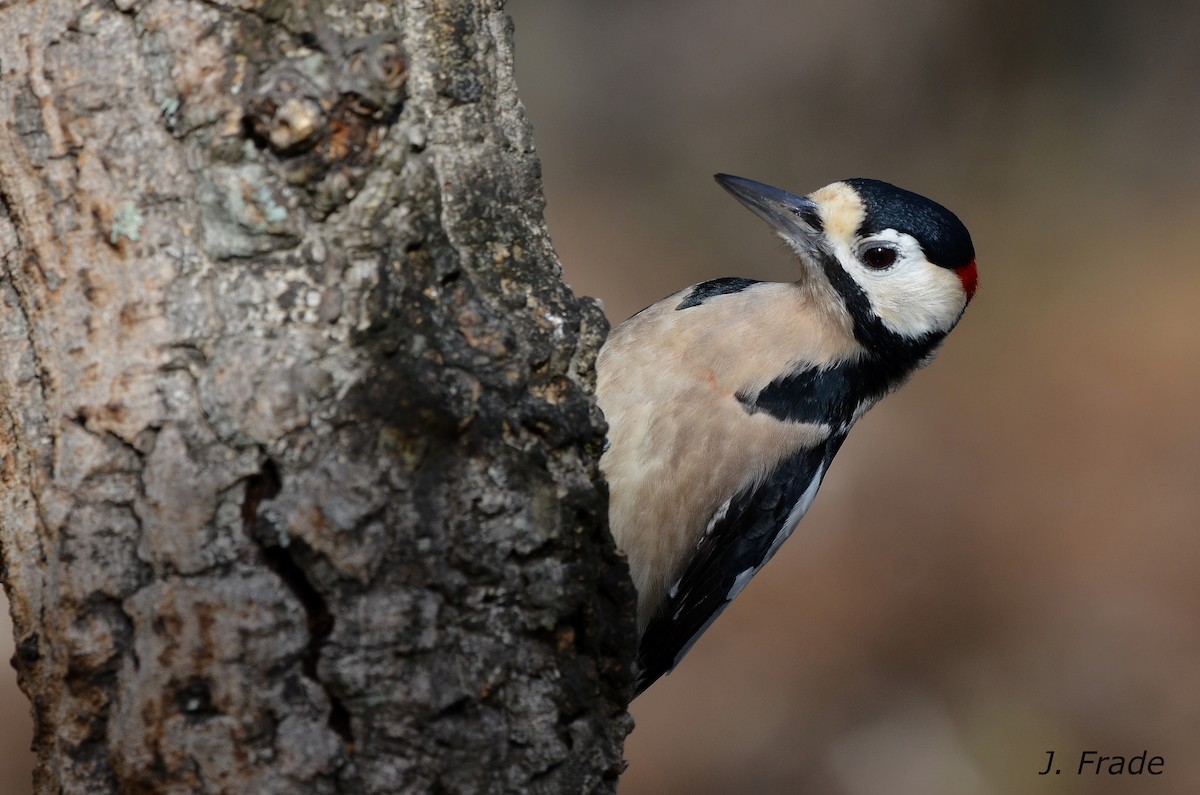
(794, 216)
(783, 210)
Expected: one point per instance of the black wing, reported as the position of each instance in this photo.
(737, 545)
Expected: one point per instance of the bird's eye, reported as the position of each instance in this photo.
(879, 257)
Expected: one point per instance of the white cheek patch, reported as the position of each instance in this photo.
(924, 299)
(913, 297)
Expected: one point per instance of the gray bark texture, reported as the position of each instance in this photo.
(298, 480)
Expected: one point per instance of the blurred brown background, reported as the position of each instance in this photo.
(1004, 558)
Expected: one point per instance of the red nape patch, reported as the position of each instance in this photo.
(969, 278)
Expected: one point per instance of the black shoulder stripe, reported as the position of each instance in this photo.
(816, 395)
(830, 395)
(702, 292)
(728, 555)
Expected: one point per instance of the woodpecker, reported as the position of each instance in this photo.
(727, 401)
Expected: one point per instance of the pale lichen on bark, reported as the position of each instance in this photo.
(299, 452)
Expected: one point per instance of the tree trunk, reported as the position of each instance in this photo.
(298, 488)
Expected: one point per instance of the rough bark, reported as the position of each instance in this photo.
(298, 489)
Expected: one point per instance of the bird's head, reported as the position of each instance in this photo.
(902, 266)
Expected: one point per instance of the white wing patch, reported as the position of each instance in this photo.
(743, 579)
(802, 505)
(740, 582)
(717, 517)
(743, 534)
